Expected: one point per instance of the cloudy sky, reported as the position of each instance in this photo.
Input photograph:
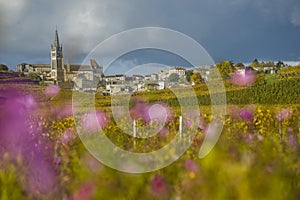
(237, 30)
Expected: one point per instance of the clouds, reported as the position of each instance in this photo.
(27, 27)
(295, 15)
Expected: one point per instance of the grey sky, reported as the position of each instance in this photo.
(238, 30)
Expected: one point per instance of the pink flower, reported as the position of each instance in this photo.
(260, 137)
(164, 132)
(63, 111)
(292, 140)
(52, 90)
(85, 192)
(188, 123)
(290, 129)
(140, 110)
(68, 136)
(58, 160)
(245, 78)
(191, 166)
(246, 115)
(158, 184)
(92, 121)
(159, 112)
(284, 114)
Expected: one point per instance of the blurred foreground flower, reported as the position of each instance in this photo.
(85, 192)
(284, 114)
(52, 90)
(191, 165)
(94, 120)
(159, 184)
(21, 137)
(243, 78)
(246, 114)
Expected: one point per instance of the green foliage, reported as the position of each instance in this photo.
(3, 67)
(225, 69)
(34, 77)
(196, 79)
(289, 72)
(188, 75)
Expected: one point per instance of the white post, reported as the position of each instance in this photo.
(180, 126)
(134, 132)
(134, 128)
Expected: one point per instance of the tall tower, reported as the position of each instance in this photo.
(57, 60)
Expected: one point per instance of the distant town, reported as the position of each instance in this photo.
(91, 77)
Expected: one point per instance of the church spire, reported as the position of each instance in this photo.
(56, 40)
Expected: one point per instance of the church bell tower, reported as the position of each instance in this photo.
(57, 60)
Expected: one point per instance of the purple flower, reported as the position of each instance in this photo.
(164, 132)
(158, 184)
(191, 165)
(243, 78)
(21, 136)
(92, 121)
(85, 192)
(246, 115)
(290, 129)
(63, 111)
(260, 137)
(292, 140)
(284, 114)
(68, 136)
(58, 160)
(159, 112)
(52, 90)
(140, 110)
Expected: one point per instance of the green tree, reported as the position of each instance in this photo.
(225, 69)
(188, 75)
(173, 77)
(196, 79)
(239, 65)
(3, 67)
(34, 77)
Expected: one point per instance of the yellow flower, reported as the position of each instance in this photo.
(192, 175)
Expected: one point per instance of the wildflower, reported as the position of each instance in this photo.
(246, 115)
(85, 192)
(140, 110)
(283, 114)
(52, 90)
(192, 175)
(191, 165)
(159, 112)
(67, 136)
(58, 160)
(164, 131)
(290, 129)
(94, 120)
(188, 123)
(292, 140)
(260, 137)
(158, 184)
(246, 78)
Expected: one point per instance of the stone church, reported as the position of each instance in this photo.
(58, 72)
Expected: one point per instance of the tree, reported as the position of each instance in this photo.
(196, 79)
(3, 67)
(34, 77)
(173, 77)
(188, 75)
(239, 65)
(225, 69)
(279, 65)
